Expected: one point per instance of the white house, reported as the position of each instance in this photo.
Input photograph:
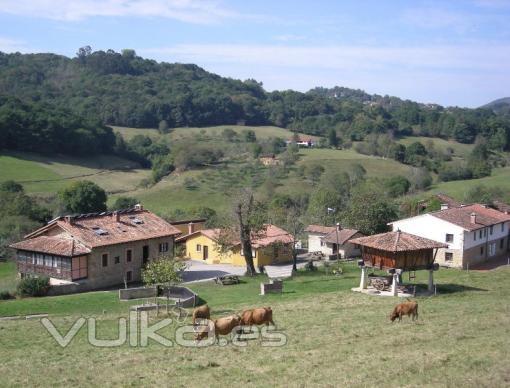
(327, 239)
(474, 233)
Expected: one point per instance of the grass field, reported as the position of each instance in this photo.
(334, 337)
(45, 174)
(262, 132)
(459, 149)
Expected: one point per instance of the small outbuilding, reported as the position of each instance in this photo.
(397, 252)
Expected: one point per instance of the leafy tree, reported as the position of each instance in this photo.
(314, 171)
(11, 186)
(124, 203)
(397, 186)
(249, 136)
(333, 138)
(163, 126)
(369, 211)
(420, 179)
(163, 270)
(83, 197)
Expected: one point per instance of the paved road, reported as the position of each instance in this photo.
(198, 271)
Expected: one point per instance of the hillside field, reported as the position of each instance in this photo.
(334, 337)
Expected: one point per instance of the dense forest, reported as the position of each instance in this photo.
(59, 100)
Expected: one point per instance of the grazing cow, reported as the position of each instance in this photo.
(222, 326)
(257, 316)
(409, 308)
(201, 312)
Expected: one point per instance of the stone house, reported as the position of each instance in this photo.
(94, 251)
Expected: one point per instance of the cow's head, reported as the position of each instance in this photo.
(393, 315)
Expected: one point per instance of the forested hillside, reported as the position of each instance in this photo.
(125, 89)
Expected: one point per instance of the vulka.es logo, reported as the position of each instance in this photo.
(137, 332)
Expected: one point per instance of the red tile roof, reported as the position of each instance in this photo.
(397, 242)
(52, 245)
(96, 230)
(320, 229)
(462, 216)
(343, 236)
(501, 206)
(271, 234)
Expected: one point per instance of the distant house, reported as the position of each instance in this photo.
(301, 142)
(95, 250)
(329, 240)
(271, 245)
(270, 160)
(473, 233)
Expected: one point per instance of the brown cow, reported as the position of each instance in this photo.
(409, 308)
(257, 316)
(201, 312)
(222, 326)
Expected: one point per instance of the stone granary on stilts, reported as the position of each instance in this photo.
(396, 252)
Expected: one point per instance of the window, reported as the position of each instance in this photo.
(199, 248)
(47, 261)
(485, 232)
(502, 226)
(39, 258)
(56, 261)
(129, 255)
(449, 237)
(129, 276)
(117, 259)
(480, 233)
(481, 250)
(474, 235)
(448, 256)
(163, 247)
(501, 243)
(105, 259)
(492, 249)
(491, 229)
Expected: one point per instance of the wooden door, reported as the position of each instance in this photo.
(206, 252)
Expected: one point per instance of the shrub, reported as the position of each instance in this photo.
(4, 295)
(33, 286)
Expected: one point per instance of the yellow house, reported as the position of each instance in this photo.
(272, 245)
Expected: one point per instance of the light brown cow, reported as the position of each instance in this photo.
(222, 326)
(257, 316)
(409, 308)
(201, 312)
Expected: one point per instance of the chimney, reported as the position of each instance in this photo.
(444, 206)
(69, 220)
(473, 218)
(138, 207)
(338, 227)
(191, 228)
(116, 216)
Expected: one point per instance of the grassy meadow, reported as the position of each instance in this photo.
(334, 337)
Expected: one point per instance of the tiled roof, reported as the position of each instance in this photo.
(320, 229)
(397, 242)
(343, 236)
(501, 206)
(462, 216)
(269, 235)
(52, 245)
(96, 230)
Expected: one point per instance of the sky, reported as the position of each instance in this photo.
(451, 52)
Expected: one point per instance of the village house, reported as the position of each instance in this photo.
(330, 239)
(95, 250)
(270, 160)
(473, 233)
(189, 226)
(301, 142)
(271, 245)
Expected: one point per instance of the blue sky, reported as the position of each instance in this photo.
(454, 52)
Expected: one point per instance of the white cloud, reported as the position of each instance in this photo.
(8, 45)
(489, 58)
(191, 11)
(289, 37)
